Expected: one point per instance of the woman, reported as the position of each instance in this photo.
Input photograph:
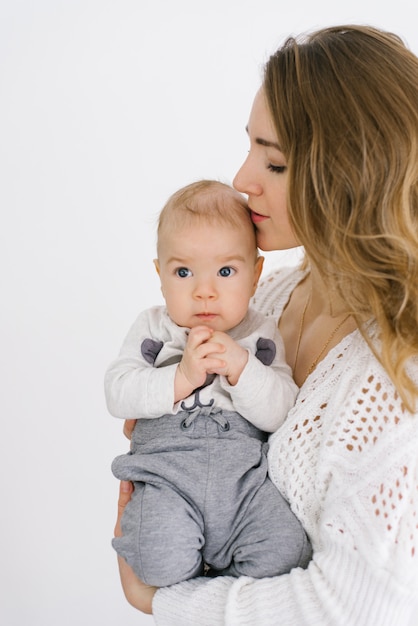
(333, 166)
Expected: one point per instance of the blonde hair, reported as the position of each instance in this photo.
(207, 202)
(344, 101)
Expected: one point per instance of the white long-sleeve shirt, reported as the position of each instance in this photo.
(346, 458)
(140, 382)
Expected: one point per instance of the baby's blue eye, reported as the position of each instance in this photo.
(183, 272)
(225, 272)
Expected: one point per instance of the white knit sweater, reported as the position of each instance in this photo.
(346, 458)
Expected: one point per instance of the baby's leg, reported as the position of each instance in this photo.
(270, 539)
(162, 535)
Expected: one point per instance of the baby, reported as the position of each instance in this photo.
(206, 378)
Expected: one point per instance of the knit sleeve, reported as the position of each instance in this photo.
(369, 478)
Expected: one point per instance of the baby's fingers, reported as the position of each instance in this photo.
(215, 365)
(198, 335)
(210, 349)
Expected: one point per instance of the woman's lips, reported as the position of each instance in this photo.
(257, 218)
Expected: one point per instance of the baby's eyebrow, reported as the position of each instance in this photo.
(230, 259)
(177, 260)
(221, 260)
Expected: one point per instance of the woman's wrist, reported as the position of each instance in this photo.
(137, 593)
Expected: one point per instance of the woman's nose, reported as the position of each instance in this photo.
(244, 180)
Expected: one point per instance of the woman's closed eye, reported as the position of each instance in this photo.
(278, 169)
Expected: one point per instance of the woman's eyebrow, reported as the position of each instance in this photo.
(265, 143)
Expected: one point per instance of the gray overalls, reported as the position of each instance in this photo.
(202, 495)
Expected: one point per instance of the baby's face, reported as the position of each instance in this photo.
(208, 274)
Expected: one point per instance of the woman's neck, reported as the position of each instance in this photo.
(313, 322)
(323, 299)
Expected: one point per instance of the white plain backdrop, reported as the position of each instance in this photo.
(106, 108)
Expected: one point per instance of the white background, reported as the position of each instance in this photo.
(106, 108)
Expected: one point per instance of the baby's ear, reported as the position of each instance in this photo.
(258, 268)
(158, 270)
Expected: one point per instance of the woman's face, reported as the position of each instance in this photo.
(263, 177)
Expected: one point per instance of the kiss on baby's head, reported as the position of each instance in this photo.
(206, 202)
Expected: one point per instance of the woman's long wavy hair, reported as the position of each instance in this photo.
(344, 101)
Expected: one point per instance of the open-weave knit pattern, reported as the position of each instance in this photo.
(346, 458)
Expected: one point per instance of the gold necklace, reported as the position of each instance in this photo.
(326, 344)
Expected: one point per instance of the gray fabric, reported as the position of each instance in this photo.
(202, 495)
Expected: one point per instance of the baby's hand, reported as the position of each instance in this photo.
(197, 362)
(234, 357)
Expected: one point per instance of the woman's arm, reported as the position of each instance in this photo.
(363, 494)
(345, 583)
(137, 593)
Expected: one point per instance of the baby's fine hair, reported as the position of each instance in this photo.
(204, 202)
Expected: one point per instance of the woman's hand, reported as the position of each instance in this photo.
(128, 428)
(138, 594)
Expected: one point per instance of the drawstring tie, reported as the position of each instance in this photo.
(216, 415)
